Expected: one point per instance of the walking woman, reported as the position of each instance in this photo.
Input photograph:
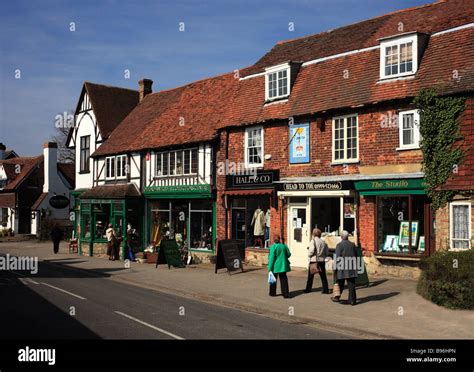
(111, 242)
(317, 253)
(56, 236)
(279, 265)
(345, 262)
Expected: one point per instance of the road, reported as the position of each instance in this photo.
(62, 303)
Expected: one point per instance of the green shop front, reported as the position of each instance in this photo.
(403, 220)
(185, 213)
(120, 206)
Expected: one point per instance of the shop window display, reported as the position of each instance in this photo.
(400, 224)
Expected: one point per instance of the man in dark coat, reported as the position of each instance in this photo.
(56, 236)
(346, 266)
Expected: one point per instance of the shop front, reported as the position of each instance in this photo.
(404, 223)
(185, 213)
(123, 209)
(328, 206)
(250, 201)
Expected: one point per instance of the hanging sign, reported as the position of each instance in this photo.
(299, 143)
(59, 202)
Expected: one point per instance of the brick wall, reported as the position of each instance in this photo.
(367, 224)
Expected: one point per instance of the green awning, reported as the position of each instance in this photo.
(178, 192)
(412, 186)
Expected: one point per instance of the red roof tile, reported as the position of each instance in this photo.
(26, 166)
(69, 172)
(111, 191)
(38, 201)
(7, 200)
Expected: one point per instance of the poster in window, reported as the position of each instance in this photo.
(349, 210)
(299, 143)
(421, 244)
(403, 239)
(391, 243)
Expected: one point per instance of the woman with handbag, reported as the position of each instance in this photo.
(279, 265)
(317, 253)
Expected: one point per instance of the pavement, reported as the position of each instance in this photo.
(388, 308)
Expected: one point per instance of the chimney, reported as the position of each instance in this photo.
(2, 151)
(50, 152)
(144, 88)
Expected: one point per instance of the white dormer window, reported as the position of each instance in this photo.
(398, 56)
(277, 82)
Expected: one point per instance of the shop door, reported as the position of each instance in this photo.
(299, 235)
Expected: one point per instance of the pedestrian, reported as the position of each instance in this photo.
(279, 265)
(317, 253)
(345, 263)
(56, 236)
(111, 242)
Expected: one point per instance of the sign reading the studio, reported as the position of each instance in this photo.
(59, 202)
(259, 179)
(312, 186)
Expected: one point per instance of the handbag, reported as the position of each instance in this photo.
(271, 278)
(313, 268)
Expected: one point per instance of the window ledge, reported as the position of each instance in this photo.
(390, 79)
(345, 162)
(458, 249)
(271, 101)
(84, 172)
(408, 148)
(399, 256)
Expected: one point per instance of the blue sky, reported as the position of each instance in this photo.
(142, 36)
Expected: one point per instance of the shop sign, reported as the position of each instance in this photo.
(299, 143)
(168, 253)
(229, 255)
(404, 184)
(261, 179)
(59, 202)
(312, 186)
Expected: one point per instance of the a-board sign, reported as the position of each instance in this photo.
(169, 253)
(229, 255)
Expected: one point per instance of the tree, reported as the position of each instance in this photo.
(63, 123)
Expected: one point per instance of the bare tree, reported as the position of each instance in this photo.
(63, 124)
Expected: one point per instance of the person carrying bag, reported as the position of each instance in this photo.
(317, 253)
(278, 266)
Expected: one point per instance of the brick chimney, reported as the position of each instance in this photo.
(144, 88)
(2, 151)
(51, 177)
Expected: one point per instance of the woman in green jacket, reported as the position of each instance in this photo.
(279, 264)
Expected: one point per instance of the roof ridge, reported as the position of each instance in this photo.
(110, 86)
(364, 20)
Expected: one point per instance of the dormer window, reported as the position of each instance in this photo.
(398, 56)
(277, 82)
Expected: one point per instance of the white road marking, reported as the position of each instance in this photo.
(25, 278)
(27, 281)
(149, 325)
(62, 290)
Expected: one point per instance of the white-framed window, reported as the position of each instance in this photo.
(116, 167)
(345, 141)
(460, 228)
(277, 82)
(177, 163)
(409, 129)
(122, 166)
(110, 167)
(254, 147)
(399, 56)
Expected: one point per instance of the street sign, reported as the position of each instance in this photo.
(169, 253)
(59, 202)
(229, 255)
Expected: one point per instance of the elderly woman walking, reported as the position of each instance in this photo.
(317, 253)
(345, 263)
(279, 265)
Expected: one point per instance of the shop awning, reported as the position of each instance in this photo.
(111, 192)
(414, 186)
(249, 192)
(7, 200)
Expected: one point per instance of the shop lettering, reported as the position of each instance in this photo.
(390, 184)
(244, 180)
(312, 186)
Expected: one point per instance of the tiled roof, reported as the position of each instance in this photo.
(69, 172)
(210, 104)
(27, 164)
(111, 104)
(428, 19)
(38, 201)
(191, 113)
(7, 200)
(111, 192)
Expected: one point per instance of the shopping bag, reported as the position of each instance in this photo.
(313, 268)
(271, 278)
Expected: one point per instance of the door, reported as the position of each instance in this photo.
(298, 234)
